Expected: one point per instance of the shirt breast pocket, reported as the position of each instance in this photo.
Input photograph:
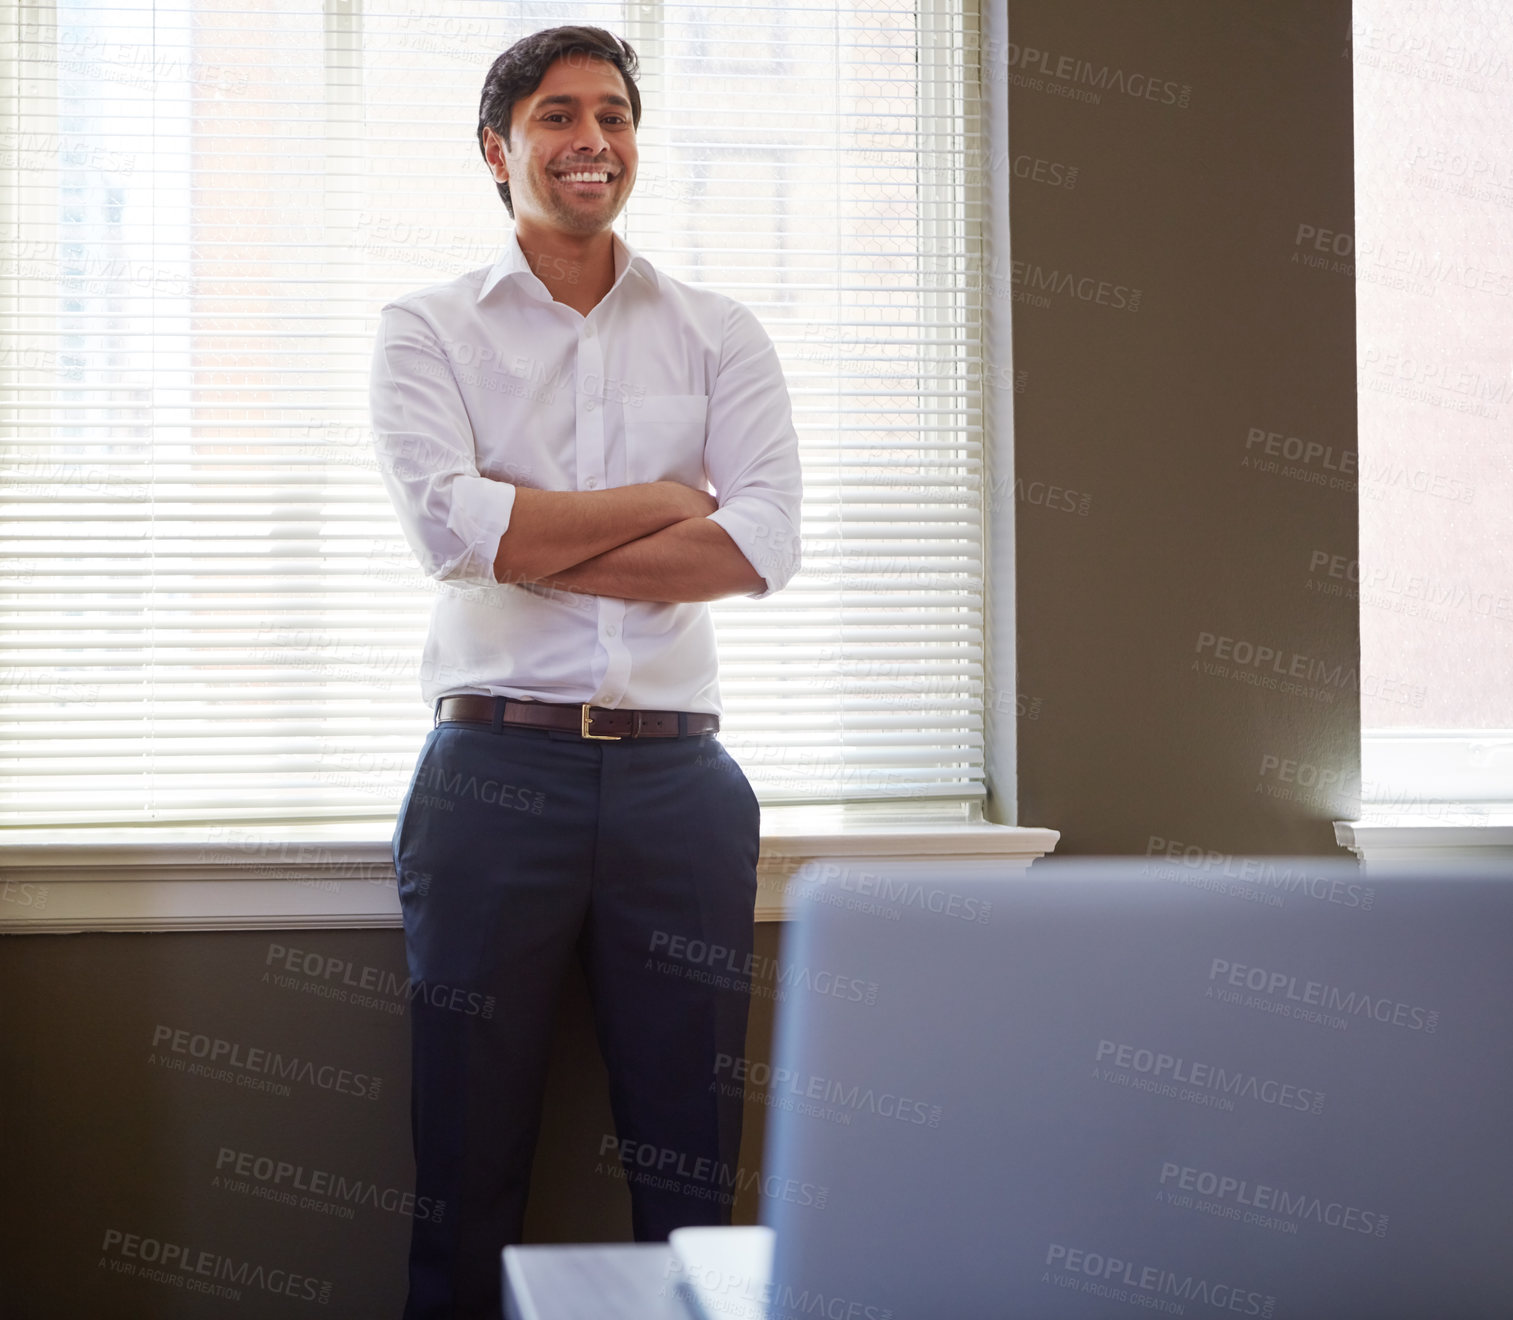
(664, 438)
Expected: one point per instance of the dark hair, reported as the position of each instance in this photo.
(519, 71)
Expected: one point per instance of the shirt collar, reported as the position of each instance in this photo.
(513, 265)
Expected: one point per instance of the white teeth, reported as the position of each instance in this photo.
(587, 177)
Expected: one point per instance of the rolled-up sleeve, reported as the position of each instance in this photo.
(452, 516)
(751, 453)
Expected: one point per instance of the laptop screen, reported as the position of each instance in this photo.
(1268, 1087)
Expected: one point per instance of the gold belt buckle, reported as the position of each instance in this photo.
(598, 737)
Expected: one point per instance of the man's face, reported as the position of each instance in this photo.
(571, 158)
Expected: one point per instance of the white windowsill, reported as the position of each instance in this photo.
(1429, 835)
(245, 877)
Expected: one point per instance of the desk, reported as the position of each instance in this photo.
(730, 1266)
(622, 1281)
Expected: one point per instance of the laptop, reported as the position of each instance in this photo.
(1263, 1087)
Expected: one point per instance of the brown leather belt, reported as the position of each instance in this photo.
(586, 721)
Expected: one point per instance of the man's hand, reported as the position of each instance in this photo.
(550, 531)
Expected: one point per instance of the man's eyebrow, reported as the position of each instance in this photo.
(562, 98)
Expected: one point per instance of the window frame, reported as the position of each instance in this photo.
(1444, 790)
(240, 876)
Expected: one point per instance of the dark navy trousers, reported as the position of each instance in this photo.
(518, 849)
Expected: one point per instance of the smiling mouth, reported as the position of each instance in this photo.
(585, 176)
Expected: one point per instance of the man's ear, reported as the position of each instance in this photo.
(493, 148)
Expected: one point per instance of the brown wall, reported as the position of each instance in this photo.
(1143, 413)
(1174, 533)
(101, 1129)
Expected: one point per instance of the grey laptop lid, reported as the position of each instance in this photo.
(1274, 1087)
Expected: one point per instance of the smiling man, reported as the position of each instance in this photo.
(549, 431)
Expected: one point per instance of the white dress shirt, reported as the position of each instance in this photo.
(486, 383)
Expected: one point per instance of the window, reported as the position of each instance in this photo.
(1433, 262)
(211, 616)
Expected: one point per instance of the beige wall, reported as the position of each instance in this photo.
(1176, 530)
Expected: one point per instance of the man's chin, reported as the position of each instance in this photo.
(584, 222)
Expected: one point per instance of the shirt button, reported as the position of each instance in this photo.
(591, 404)
(612, 631)
(592, 483)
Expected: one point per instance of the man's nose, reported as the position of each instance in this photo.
(590, 139)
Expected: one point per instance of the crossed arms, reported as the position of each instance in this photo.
(659, 540)
(650, 541)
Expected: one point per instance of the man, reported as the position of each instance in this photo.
(548, 430)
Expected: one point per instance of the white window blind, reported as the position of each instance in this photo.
(210, 614)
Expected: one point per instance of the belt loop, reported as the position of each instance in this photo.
(436, 722)
(499, 714)
(682, 724)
